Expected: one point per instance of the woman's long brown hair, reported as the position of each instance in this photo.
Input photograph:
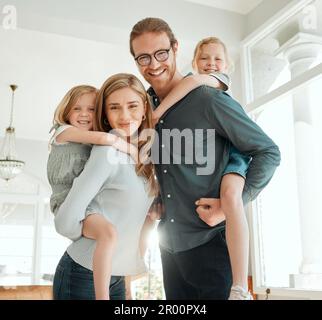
(112, 84)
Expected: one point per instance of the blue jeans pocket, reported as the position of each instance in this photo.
(81, 283)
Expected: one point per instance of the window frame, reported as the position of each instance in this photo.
(254, 108)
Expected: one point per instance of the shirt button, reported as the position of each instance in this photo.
(165, 170)
(169, 195)
(172, 220)
(161, 121)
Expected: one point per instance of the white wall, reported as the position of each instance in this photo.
(120, 14)
(59, 44)
(265, 10)
(111, 21)
(236, 86)
(45, 66)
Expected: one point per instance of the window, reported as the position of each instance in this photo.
(282, 67)
(150, 285)
(16, 249)
(30, 248)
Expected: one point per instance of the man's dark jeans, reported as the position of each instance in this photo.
(203, 272)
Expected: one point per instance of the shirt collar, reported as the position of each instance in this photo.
(154, 98)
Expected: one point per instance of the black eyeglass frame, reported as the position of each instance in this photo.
(152, 55)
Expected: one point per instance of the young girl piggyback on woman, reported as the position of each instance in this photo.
(211, 58)
(70, 148)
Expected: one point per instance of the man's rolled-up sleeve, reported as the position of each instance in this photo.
(231, 121)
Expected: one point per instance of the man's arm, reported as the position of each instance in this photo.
(231, 121)
(68, 220)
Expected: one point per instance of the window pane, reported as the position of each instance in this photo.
(16, 244)
(289, 209)
(52, 249)
(150, 285)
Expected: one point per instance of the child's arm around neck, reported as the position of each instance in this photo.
(73, 134)
(185, 86)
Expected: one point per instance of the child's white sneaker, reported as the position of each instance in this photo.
(239, 293)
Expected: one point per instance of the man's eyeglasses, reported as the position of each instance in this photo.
(145, 59)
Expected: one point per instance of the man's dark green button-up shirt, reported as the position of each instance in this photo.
(203, 110)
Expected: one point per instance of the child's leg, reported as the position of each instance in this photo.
(128, 293)
(98, 228)
(237, 234)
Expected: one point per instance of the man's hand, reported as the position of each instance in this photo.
(209, 211)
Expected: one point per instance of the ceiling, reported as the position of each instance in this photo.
(238, 6)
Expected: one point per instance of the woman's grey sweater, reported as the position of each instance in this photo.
(109, 186)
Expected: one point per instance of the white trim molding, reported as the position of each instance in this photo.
(268, 27)
(254, 107)
(259, 104)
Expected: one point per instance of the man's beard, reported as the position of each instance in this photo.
(161, 87)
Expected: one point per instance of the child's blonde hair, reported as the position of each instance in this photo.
(196, 55)
(64, 108)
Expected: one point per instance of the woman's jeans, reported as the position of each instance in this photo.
(74, 282)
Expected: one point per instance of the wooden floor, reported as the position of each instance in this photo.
(26, 293)
(45, 292)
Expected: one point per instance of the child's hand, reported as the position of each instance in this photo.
(209, 211)
(126, 147)
(217, 83)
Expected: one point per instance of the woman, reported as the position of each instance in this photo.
(113, 186)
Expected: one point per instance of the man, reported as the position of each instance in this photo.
(194, 256)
